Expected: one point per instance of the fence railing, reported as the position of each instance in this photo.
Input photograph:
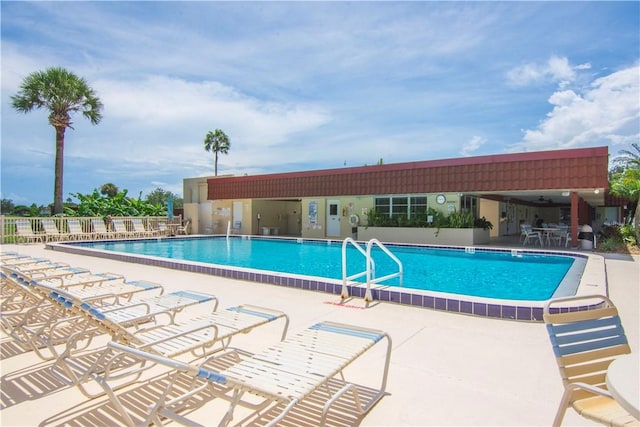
(45, 229)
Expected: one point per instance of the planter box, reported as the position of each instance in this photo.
(427, 236)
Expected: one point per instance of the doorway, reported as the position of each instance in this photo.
(333, 218)
(236, 224)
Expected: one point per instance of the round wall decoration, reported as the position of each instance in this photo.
(440, 199)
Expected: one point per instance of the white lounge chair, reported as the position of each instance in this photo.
(69, 318)
(200, 335)
(25, 232)
(76, 231)
(282, 375)
(51, 231)
(121, 229)
(100, 229)
(35, 317)
(140, 229)
(22, 260)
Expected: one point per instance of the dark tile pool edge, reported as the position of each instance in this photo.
(525, 311)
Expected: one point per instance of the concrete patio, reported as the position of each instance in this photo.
(446, 369)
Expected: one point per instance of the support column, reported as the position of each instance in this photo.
(574, 219)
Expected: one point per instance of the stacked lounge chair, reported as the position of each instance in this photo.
(282, 375)
(145, 333)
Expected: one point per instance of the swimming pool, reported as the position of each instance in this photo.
(481, 273)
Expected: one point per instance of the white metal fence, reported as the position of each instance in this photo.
(44, 229)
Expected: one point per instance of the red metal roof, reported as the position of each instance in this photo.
(559, 169)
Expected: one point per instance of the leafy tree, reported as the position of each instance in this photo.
(218, 143)
(95, 204)
(627, 183)
(33, 210)
(161, 197)
(178, 202)
(628, 158)
(109, 189)
(6, 206)
(61, 93)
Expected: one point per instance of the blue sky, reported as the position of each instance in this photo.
(313, 85)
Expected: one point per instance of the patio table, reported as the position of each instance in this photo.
(623, 381)
(547, 232)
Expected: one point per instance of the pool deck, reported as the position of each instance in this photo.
(446, 368)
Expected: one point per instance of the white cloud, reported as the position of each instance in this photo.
(556, 70)
(158, 124)
(608, 112)
(472, 145)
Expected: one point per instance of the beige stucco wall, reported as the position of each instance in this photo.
(280, 216)
(349, 205)
(490, 209)
(220, 215)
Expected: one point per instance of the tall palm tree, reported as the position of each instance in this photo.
(109, 189)
(62, 93)
(628, 158)
(217, 142)
(626, 182)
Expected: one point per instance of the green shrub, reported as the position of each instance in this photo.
(438, 220)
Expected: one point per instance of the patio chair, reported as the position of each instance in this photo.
(560, 235)
(160, 229)
(200, 336)
(282, 375)
(25, 232)
(100, 229)
(527, 234)
(140, 229)
(183, 229)
(76, 231)
(585, 343)
(51, 231)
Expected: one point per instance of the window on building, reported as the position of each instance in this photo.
(418, 206)
(469, 204)
(400, 206)
(383, 206)
(406, 206)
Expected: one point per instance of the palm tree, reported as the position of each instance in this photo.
(628, 158)
(626, 182)
(110, 190)
(62, 93)
(218, 142)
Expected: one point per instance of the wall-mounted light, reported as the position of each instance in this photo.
(566, 193)
(596, 191)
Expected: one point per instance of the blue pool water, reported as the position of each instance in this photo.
(491, 274)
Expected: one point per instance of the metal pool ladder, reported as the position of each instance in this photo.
(370, 271)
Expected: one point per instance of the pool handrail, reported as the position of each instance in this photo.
(345, 292)
(370, 271)
(368, 297)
